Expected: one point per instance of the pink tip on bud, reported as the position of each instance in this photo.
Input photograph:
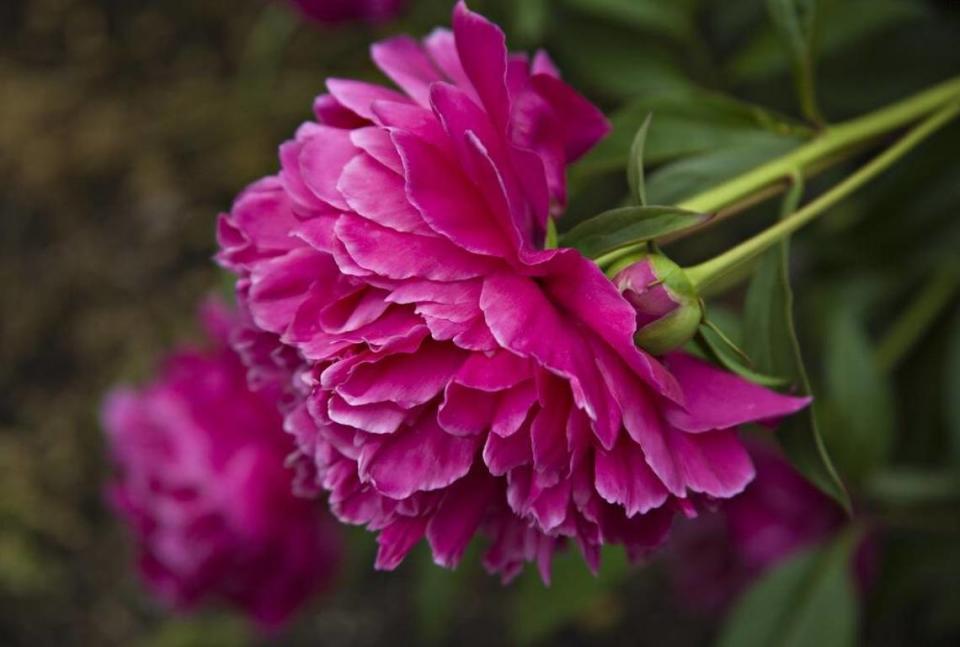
(669, 311)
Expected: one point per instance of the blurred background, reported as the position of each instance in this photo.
(127, 125)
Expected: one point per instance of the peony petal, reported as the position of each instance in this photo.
(482, 50)
(279, 287)
(457, 519)
(377, 418)
(398, 539)
(359, 96)
(403, 60)
(442, 48)
(405, 379)
(400, 255)
(641, 419)
(718, 399)
(377, 194)
(322, 159)
(376, 143)
(623, 477)
(446, 200)
(713, 463)
(513, 408)
(419, 459)
(581, 124)
(501, 455)
(331, 112)
(466, 411)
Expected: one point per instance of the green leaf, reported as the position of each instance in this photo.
(859, 427)
(952, 388)
(668, 18)
(770, 339)
(807, 600)
(620, 64)
(574, 593)
(795, 20)
(723, 350)
(683, 179)
(690, 122)
(842, 24)
(635, 164)
(627, 226)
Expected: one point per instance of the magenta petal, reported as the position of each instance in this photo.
(582, 124)
(376, 143)
(713, 463)
(548, 432)
(513, 408)
(638, 534)
(322, 159)
(414, 119)
(524, 321)
(551, 505)
(581, 287)
(465, 411)
(331, 112)
(405, 379)
(501, 455)
(483, 54)
(623, 477)
(717, 399)
(641, 420)
(279, 286)
(400, 255)
(456, 520)
(446, 199)
(442, 48)
(359, 97)
(376, 193)
(419, 459)
(495, 372)
(403, 60)
(398, 539)
(377, 418)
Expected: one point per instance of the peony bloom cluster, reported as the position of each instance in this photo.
(337, 11)
(455, 377)
(203, 486)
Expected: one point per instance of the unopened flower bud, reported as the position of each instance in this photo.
(668, 308)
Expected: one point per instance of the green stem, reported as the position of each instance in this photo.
(833, 140)
(709, 271)
(911, 326)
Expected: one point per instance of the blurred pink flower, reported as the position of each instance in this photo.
(337, 11)
(202, 484)
(457, 377)
(716, 556)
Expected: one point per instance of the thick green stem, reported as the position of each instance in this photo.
(715, 268)
(833, 140)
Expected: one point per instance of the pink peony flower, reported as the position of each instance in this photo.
(716, 556)
(337, 11)
(459, 378)
(202, 484)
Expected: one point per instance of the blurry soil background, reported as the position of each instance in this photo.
(125, 127)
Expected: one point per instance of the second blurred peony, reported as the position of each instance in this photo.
(201, 482)
(337, 11)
